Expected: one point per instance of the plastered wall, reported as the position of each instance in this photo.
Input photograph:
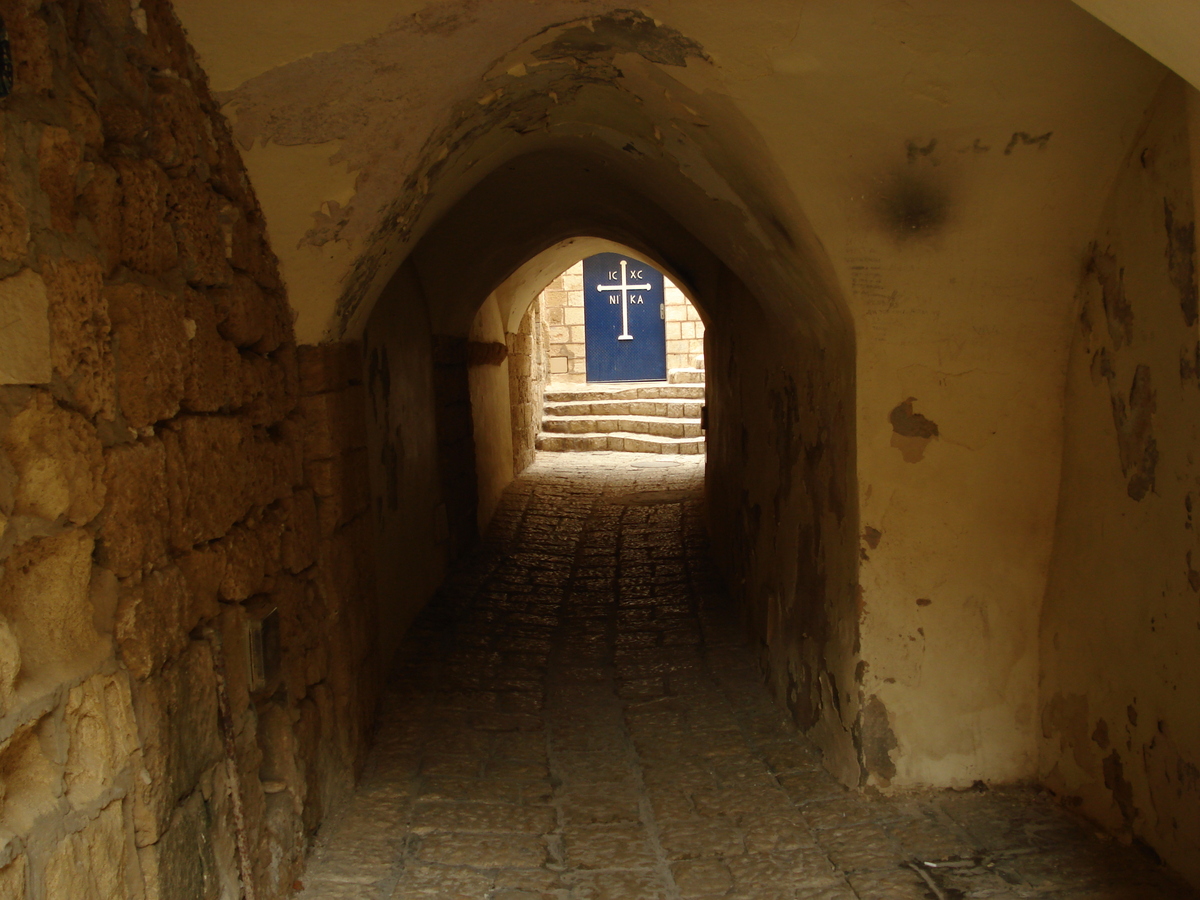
(411, 519)
(1119, 733)
(172, 470)
(957, 242)
(528, 372)
(780, 491)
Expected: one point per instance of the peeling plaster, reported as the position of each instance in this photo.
(390, 110)
(1181, 261)
(1133, 419)
(878, 740)
(911, 432)
(242, 40)
(1117, 310)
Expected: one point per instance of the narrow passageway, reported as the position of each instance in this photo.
(576, 716)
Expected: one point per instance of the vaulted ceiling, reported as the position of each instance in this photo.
(970, 124)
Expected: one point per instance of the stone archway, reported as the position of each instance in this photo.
(780, 476)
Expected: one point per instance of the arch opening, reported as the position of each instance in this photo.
(780, 476)
(533, 384)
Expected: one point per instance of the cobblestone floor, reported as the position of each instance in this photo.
(577, 718)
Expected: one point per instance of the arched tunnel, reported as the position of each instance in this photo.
(539, 201)
(291, 603)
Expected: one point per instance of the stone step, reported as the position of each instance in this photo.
(686, 376)
(622, 441)
(655, 425)
(562, 393)
(666, 409)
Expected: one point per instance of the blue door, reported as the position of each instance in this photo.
(624, 319)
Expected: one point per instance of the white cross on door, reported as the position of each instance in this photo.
(624, 287)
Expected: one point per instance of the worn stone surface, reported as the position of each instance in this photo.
(57, 456)
(527, 375)
(14, 224)
(102, 737)
(25, 338)
(146, 240)
(10, 665)
(150, 347)
(12, 878)
(180, 737)
(577, 717)
(134, 532)
(80, 331)
(153, 617)
(45, 595)
(93, 862)
(181, 862)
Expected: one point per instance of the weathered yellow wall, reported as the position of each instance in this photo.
(1120, 631)
(955, 213)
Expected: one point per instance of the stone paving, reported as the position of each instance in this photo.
(576, 717)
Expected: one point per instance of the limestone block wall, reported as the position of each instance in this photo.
(492, 415)
(1119, 734)
(685, 331)
(528, 370)
(561, 307)
(178, 485)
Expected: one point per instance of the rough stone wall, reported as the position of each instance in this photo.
(1120, 738)
(562, 307)
(527, 373)
(173, 477)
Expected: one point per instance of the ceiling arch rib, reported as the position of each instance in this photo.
(1169, 30)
